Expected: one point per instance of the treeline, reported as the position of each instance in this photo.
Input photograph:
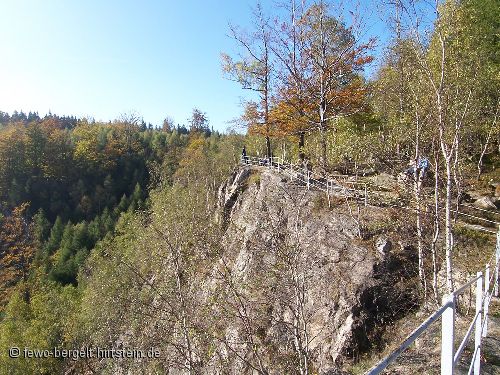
(62, 298)
(76, 173)
(45, 262)
(68, 122)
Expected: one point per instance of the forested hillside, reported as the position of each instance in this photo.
(65, 182)
(119, 234)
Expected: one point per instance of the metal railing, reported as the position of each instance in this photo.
(447, 312)
(333, 184)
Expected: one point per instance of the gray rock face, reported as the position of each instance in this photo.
(228, 193)
(484, 199)
(475, 195)
(309, 280)
(485, 202)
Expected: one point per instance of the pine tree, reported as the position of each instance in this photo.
(94, 230)
(137, 195)
(122, 206)
(56, 234)
(41, 229)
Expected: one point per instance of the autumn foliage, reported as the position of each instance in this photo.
(16, 250)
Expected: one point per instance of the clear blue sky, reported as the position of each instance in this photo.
(102, 58)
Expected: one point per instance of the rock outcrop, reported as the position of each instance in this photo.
(315, 288)
(484, 199)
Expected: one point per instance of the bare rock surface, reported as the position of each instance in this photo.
(384, 181)
(483, 199)
(384, 245)
(320, 282)
(485, 202)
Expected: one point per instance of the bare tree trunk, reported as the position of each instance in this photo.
(417, 184)
(420, 246)
(301, 147)
(322, 90)
(323, 148)
(436, 228)
(457, 179)
(448, 227)
(488, 138)
(268, 147)
(300, 325)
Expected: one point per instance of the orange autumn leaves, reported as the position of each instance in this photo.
(313, 75)
(294, 111)
(16, 250)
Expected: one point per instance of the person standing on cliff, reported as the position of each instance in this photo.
(244, 155)
(423, 166)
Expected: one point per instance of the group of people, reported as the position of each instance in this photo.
(419, 170)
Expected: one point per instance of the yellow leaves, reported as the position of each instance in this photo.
(251, 114)
(86, 144)
(57, 154)
(85, 151)
(193, 164)
(102, 145)
(254, 119)
(196, 145)
(226, 63)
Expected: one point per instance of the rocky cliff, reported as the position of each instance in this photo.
(315, 293)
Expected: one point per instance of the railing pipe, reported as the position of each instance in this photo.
(465, 340)
(380, 366)
(497, 262)
(464, 287)
(471, 366)
(477, 336)
(486, 300)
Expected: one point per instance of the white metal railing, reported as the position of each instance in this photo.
(447, 312)
(331, 185)
(336, 183)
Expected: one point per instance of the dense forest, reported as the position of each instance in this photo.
(74, 178)
(109, 231)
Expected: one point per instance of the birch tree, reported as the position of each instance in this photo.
(447, 88)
